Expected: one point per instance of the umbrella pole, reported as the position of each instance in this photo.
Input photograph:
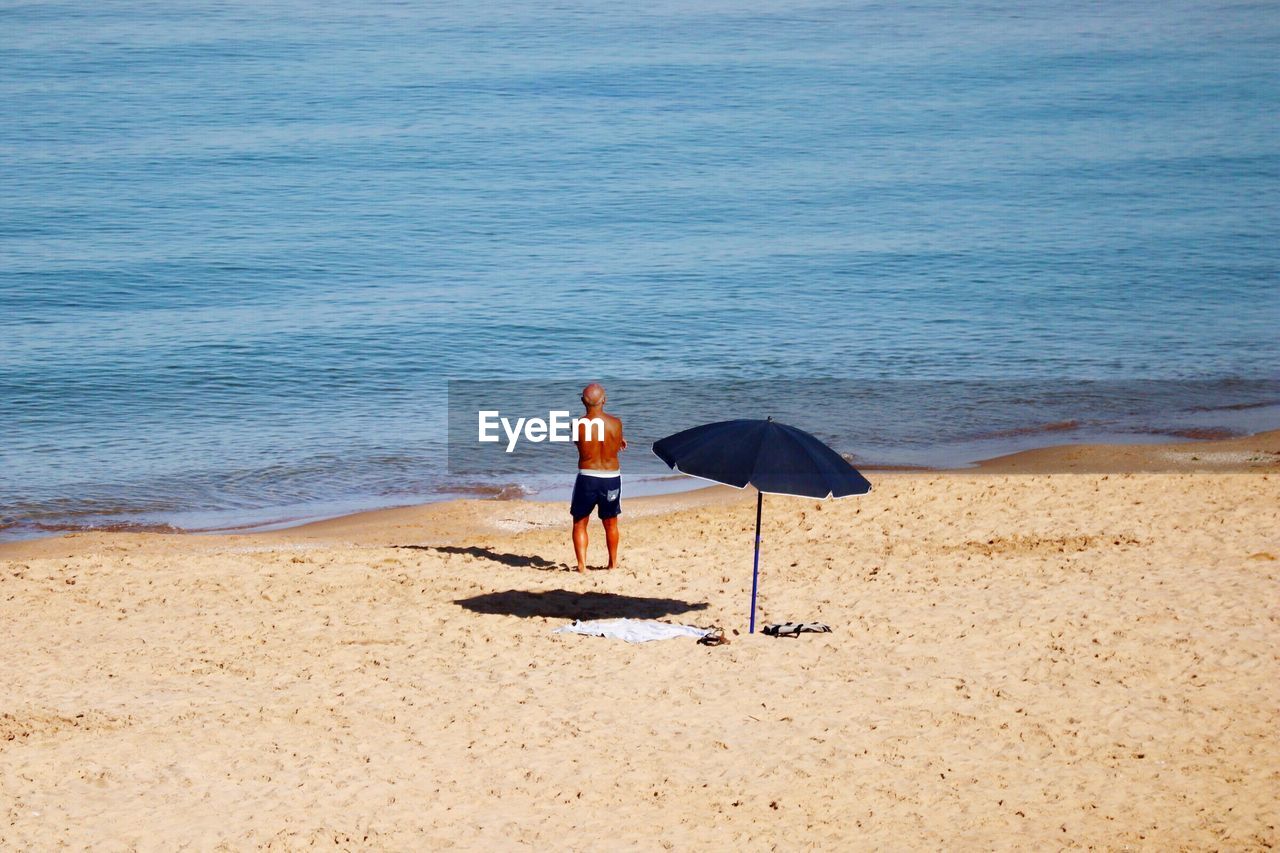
(755, 568)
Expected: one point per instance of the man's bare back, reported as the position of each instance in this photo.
(601, 455)
(599, 483)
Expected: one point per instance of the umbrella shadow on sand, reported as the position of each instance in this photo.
(563, 604)
(515, 561)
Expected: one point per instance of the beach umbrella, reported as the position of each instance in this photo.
(773, 457)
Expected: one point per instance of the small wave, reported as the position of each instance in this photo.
(1234, 407)
(489, 491)
(1036, 429)
(107, 527)
(1201, 433)
(870, 464)
(37, 527)
(513, 492)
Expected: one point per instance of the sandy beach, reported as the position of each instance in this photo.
(1074, 647)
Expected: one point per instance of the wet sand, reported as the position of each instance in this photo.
(1071, 647)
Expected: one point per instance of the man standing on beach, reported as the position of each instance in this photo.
(599, 483)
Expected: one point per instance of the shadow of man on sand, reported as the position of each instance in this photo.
(563, 604)
(516, 561)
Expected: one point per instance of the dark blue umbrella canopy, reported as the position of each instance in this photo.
(773, 457)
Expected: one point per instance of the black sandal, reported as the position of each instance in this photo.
(714, 637)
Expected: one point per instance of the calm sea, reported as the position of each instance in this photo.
(243, 246)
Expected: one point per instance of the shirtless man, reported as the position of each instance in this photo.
(599, 483)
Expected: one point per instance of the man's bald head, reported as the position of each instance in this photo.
(593, 395)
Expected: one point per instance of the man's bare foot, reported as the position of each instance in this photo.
(582, 569)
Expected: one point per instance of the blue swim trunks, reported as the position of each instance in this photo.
(591, 492)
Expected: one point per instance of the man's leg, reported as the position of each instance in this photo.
(611, 537)
(580, 541)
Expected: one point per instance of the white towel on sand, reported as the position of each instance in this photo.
(633, 630)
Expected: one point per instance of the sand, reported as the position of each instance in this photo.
(1020, 660)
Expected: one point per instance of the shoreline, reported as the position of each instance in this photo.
(455, 518)
(1236, 452)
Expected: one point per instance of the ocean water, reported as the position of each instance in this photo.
(245, 246)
